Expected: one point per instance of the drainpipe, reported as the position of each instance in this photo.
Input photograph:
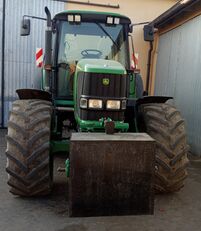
(2, 63)
(149, 67)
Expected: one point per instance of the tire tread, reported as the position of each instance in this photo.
(28, 148)
(164, 123)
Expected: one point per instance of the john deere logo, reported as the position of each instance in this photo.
(106, 82)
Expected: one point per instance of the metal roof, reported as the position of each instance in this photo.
(180, 9)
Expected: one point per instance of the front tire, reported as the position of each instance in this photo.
(28, 160)
(164, 123)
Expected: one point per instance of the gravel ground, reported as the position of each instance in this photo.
(179, 211)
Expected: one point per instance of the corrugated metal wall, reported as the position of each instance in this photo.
(178, 74)
(20, 68)
(1, 26)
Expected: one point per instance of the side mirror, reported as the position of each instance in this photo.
(131, 28)
(25, 27)
(149, 33)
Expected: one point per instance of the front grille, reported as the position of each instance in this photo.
(91, 85)
(96, 115)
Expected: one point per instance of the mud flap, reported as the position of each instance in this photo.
(111, 174)
(34, 94)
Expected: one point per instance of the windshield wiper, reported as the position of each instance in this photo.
(102, 28)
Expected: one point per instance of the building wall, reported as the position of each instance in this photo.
(1, 25)
(20, 69)
(178, 74)
(138, 11)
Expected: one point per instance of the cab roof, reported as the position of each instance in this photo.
(91, 15)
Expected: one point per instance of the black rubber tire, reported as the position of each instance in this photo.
(139, 86)
(164, 123)
(28, 145)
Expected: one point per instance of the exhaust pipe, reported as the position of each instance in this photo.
(48, 52)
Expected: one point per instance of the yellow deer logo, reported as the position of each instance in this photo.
(106, 81)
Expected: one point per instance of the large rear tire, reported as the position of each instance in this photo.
(28, 160)
(164, 123)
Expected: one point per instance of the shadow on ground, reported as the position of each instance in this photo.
(178, 211)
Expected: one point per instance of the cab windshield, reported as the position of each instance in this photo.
(89, 40)
(101, 41)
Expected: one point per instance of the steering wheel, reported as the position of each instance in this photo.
(91, 53)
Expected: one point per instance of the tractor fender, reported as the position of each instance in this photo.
(34, 94)
(152, 99)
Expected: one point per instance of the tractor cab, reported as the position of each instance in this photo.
(91, 56)
(87, 35)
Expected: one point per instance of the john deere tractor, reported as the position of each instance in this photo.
(88, 86)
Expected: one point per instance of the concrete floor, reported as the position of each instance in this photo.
(179, 211)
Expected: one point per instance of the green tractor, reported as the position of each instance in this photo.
(88, 86)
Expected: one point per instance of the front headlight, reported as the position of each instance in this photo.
(113, 104)
(83, 103)
(95, 103)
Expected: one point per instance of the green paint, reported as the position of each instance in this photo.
(75, 95)
(132, 92)
(92, 126)
(67, 167)
(97, 66)
(59, 102)
(59, 146)
(101, 66)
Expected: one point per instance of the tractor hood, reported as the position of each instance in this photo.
(101, 66)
